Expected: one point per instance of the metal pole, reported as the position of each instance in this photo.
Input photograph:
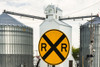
(53, 65)
(24, 15)
(80, 17)
(42, 18)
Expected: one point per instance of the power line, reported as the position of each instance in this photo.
(83, 8)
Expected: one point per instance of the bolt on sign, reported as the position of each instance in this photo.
(54, 47)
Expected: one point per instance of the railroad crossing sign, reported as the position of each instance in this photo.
(54, 47)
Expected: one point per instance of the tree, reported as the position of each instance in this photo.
(75, 52)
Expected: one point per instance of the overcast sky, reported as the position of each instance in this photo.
(36, 7)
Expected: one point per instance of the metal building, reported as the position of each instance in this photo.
(16, 43)
(85, 41)
(52, 22)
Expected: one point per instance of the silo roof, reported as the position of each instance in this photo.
(58, 22)
(95, 21)
(63, 23)
(5, 19)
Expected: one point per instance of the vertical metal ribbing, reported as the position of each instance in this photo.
(15, 49)
(98, 46)
(85, 41)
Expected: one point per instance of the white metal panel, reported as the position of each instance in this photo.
(67, 29)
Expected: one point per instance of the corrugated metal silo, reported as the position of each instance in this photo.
(16, 43)
(85, 41)
(52, 22)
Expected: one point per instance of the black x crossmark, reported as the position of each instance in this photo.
(53, 47)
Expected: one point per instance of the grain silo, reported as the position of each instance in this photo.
(85, 41)
(52, 22)
(16, 43)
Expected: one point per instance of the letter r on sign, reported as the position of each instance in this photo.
(63, 46)
(43, 45)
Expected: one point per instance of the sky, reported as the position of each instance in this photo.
(71, 8)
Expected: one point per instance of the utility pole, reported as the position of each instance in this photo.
(92, 31)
